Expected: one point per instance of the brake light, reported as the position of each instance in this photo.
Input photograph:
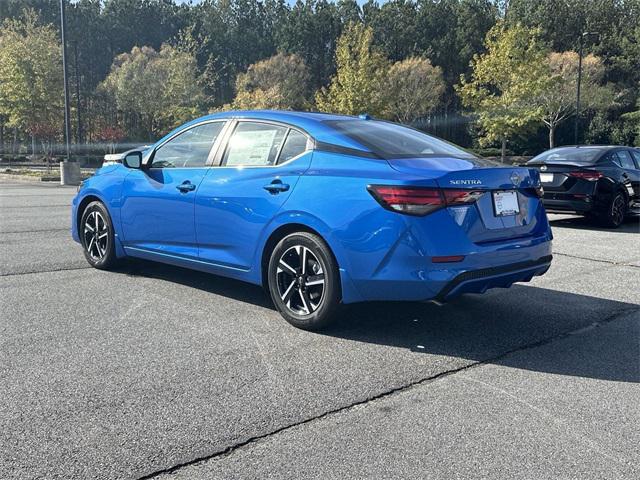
(460, 197)
(409, 200)
(421, 200)
(448, 259)
(591, 175)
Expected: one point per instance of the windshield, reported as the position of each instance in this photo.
(390, 140)
(586, 155)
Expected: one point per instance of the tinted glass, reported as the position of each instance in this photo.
(189, 149)
(254, 144)
(390, 140)
(612, 157)
(625, 159)
(636, 157)
(294, 145)
(586, 155)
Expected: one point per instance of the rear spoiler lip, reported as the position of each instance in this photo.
(563, 164)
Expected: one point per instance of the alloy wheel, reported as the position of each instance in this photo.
(300, 280)
(617, 210)
(96, 235)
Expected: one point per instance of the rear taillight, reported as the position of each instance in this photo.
(590, 175)
(460, 197)
(421, 200)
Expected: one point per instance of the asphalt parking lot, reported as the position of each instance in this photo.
(159, 372)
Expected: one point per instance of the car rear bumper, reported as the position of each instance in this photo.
(491, 266)
(563, 202)
(479, 281)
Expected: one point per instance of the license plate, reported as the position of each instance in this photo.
(506, 203)
(546, 177)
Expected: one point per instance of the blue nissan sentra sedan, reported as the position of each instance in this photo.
(320, 209)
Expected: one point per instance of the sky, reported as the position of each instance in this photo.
(360, 2)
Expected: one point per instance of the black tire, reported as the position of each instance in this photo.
(615, 212)
(309, 297)
(97, 238)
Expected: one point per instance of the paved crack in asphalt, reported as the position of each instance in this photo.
(619, 264)
(387, 393)
(17, 274)
(13, 207)
(45, 230)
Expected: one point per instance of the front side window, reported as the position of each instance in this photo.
(254, 144)
(636, 157)
(190, 149)
(390, 140)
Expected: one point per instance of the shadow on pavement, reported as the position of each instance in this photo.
(474, 327)
(630, 225)
(480, 327)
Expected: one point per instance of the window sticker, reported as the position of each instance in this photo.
(251, 147)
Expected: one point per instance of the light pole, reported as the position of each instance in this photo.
(582, 37)
(69, 174)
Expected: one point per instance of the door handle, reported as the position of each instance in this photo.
(186, 186)
(276, 187)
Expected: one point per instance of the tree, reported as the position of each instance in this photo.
(234, 34)
(156, 90)
(31, 77)
(310, 29)
(110, 136)
(394, 26)
(633, 119)
(280, 82)
(414, 88)
(558, 100)
(357, 85)
(450, 32)
(505, 81)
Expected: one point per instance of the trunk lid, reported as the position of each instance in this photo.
(479, 220)
(555, 176)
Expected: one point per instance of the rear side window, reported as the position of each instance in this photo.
(294, 145)
(625, 159)
(254, 144)
(390, 140)
(612, 157)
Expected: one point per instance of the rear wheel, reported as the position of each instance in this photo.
(96, 235)
(616, 211)
(304, 282)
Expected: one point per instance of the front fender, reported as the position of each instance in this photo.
(107, 188)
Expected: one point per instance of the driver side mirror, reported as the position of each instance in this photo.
(133, 160)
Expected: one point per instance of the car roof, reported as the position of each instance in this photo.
(601, 147)
(312, 123)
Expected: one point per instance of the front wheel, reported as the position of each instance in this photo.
(96, 235)
(304, 282)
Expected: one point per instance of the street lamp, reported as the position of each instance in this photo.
(582, 37)
(69, 172)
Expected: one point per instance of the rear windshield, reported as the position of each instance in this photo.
(584, 155)
(390, 140)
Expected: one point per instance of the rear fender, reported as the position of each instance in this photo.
(313, 223)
